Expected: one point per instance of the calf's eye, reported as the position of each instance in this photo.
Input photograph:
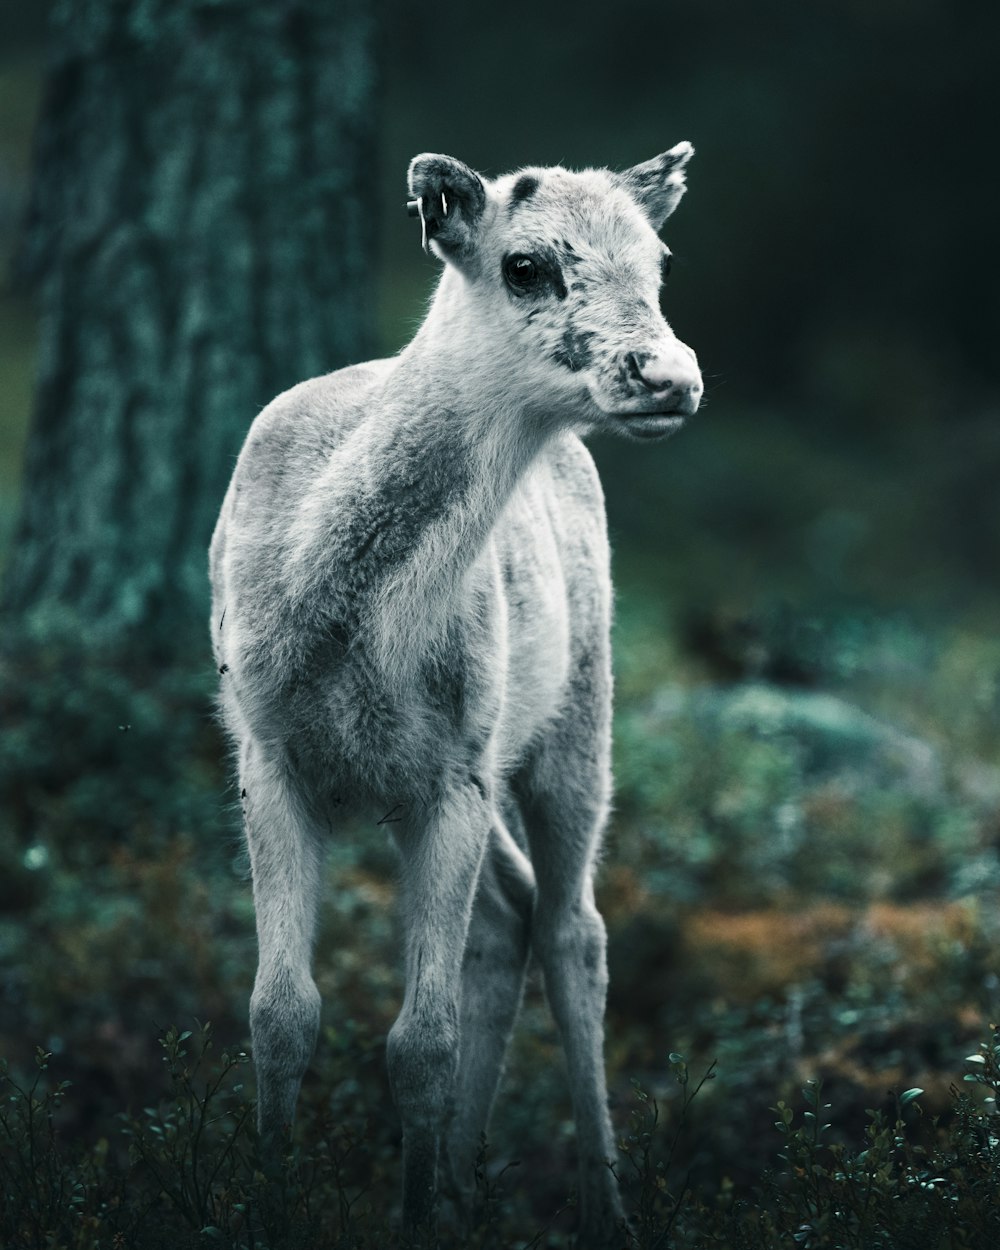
(521, 272)
(665, 267)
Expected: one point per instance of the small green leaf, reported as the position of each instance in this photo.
(909, 1096)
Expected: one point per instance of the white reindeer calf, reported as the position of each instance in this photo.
(411, 611)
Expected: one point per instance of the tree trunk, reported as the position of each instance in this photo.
(201, 238)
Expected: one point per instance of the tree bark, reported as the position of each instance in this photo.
(201, 237)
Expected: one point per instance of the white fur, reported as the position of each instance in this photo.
(411, 612)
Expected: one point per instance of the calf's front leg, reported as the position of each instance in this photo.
(286, 862)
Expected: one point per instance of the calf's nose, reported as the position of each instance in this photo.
(668, 377)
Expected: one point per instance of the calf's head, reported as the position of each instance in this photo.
(566, 268)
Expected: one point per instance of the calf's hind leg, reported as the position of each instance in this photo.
(566, 792)
(286, 863)
(493, 968)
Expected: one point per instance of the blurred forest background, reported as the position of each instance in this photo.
(802, 869)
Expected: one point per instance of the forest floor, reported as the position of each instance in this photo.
(799, 886)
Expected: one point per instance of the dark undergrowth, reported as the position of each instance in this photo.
(800, 891)
(184, 1170)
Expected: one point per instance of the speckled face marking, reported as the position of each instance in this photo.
(534, 275)
(523, 189)
(573, 353)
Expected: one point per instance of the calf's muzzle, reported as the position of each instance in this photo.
(674, 379)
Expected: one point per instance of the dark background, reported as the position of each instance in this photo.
(835, 262)
(835, 269)
(802, 867)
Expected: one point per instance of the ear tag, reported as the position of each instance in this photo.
(415, 208)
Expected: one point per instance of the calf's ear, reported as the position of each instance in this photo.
(657, 185)
(450, 199)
